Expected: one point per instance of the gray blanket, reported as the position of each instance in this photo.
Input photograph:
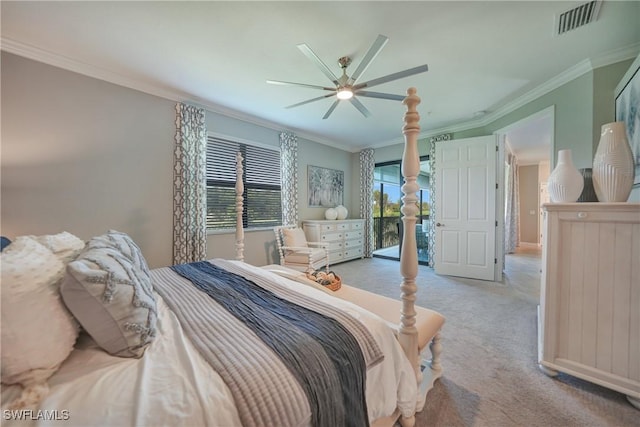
(278, 375)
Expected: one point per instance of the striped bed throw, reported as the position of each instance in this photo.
(287, 359)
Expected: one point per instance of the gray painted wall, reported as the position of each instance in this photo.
(83, 155)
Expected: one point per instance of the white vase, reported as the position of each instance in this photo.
(565, 182)
(342, 212)
(331, 214)
(613, 169)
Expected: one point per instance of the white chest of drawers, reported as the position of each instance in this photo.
(345, 237)
(589, 323)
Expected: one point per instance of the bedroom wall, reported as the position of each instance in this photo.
(83, 155)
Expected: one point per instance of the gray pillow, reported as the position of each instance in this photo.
(110, 294)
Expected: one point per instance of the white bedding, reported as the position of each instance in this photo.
(173, 385)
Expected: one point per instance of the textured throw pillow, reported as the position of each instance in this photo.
(294, 237)
(123, 243)
(112, 297)
(38, 332)
(64, 245)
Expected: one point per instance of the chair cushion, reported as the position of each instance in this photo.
(316, 254)
(294, 237)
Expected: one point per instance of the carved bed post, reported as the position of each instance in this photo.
(409, 255)
(239, 208)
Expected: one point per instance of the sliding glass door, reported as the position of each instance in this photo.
(387, 223)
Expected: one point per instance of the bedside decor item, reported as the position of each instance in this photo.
(565, 182)
(342, 212)
(331, 214)
(326, 187)
(588, 193)
(613, 168)
(328, 279)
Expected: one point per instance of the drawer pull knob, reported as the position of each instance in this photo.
(582, 215)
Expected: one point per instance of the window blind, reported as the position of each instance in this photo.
(262, 193)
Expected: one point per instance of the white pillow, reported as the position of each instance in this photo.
(64, 245)
(294, 237)
(38, 332)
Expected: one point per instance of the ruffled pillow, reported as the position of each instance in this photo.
(38, 332)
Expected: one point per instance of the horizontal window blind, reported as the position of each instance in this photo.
(262, 193)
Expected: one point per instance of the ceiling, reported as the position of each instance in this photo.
(483, 57)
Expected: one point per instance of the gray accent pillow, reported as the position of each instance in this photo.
(109, 291)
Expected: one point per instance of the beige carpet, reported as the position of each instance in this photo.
(491, 377)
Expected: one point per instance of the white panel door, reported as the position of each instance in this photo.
(465, 221)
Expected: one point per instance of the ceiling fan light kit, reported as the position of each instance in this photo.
(346, 87)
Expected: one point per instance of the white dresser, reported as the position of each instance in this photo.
(589, 319)
(345, 237)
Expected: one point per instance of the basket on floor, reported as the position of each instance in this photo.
(329, 280)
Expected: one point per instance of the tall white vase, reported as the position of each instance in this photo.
(565, 182)
(613, 169)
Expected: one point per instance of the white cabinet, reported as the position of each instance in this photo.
(345, 237)
(589, 320)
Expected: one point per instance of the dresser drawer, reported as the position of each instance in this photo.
(335, 257)
(356, 225)
(331, 237)
(328, 227)
(353, 234)
(353, 243)
(353, 253)
(342, 226)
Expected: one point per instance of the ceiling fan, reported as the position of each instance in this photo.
(347, 87)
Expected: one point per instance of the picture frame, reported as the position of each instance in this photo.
(325, 187)
(627, 109)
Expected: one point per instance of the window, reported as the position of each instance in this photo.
(261, 178)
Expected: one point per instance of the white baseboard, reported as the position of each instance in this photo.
(529, 245)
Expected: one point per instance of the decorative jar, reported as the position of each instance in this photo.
(331, 214)
(342, 212)
(565, 182)
(613, 169)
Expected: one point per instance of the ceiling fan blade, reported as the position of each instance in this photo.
(330, 110)
(360, 107)
(278, 82)
(306, 50)
(311, 100)
(381, 95)
(391, 77)
(374, 50)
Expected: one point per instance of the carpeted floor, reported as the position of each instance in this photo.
(491, 377)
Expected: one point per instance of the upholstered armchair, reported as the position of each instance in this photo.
(297, 253)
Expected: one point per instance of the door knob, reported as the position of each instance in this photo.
(439, 225)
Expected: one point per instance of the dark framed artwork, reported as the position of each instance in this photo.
(326, 187)
(628, 111)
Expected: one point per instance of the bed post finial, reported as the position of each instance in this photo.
(408, 335)
(239, 208)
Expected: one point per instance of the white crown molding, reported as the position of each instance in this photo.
(56, 60)
(41, 55)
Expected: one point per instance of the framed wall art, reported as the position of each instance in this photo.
(628, 111)
(326, 187)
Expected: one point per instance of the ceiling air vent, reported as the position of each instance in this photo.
(577, 17)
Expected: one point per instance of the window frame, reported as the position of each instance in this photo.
(243, 144)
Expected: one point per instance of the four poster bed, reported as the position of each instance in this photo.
(172, 346)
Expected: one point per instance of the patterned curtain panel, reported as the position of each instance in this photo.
(367, 164)
(190, 186)
(512, 212)
(289, 177)
(433, 205)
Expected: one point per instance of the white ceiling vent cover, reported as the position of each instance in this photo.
(577, 17)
